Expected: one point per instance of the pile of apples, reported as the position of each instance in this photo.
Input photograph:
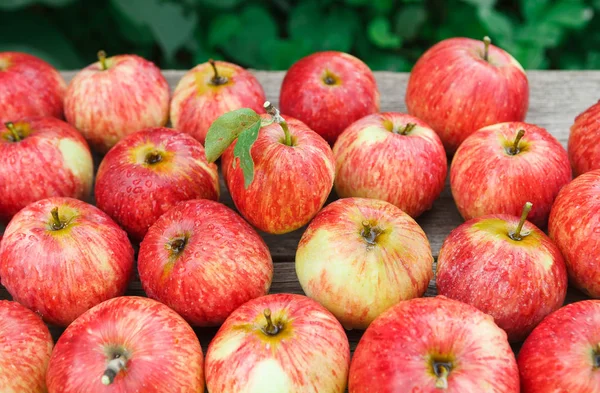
(363, 261)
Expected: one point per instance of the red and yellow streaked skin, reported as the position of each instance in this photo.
(398, 350)
(197, 102)
(310, 354)
(51, 159)
(559, 355)
(584, 141)
(62, 273)
(135, 192)
(454, 90)
(222, 264)
(107, 105)
(25, 348)
(355, 279)
(329, 108)
(163, 352)
(29, 87)
(486, 179)
(374, 160)
(291, 183)
(518, 282)
(574, 226)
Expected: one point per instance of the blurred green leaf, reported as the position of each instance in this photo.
(483, 3)
(409, 20)
(531, 57)
(532, 10)
(382, 6)
(498, 25)
(543, 35)
(223, 4)
(357, 2)
(569, 13)
(379, 31)
(223, 28)
(16, 4)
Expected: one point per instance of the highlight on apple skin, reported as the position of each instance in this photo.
(393, 157)
(358, 257)
(279, 343)
(42, 157)
(500, 167)
(148, 172)
(584, 141)
(60, 256)
(127, 344)
(432, 345)
(204, 261)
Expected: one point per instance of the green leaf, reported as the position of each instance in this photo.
(226, 129)
(16, 4)
(223, 28)
(380, 34)
(409, 20)
(484, 3)
(242, 151)
(569, 13)
(382, 6)
(533, 10)
(223, 4)
(499, 26)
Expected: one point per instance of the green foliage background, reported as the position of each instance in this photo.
(387, 34)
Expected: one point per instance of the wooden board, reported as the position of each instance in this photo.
(556, 98)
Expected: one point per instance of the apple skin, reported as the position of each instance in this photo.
(357, 278)
(310, 354)
(398, 350)
(454, 90)
(29, 87)
(135, 193)
(197, 103)
(25, 348)
(584, 141)
(163, 352)
(107, 105)
(518, 282)
(329, 109)
(51, 159)
(574, 227)
(559, 354)
(505, 182)
(373, 160)
(291, 183)
(222, 263)
(62, 273)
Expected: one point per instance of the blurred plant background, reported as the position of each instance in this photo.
(271, 35)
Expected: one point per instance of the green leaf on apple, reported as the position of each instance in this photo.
(242, 152)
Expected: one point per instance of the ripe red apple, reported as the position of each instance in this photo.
(461, 85)
(431, 345)
(115, 97)
(358, 257)
(562, 354)
(125, 345)
(329, 91)
(505, 267)
(204, 261)
(60, 257)
(574, 226)
(209, 90)
(29, 87)
(39, 158)
(584, 141)
(500, 167)
(148, 172)
(278, 343)
(25, 347)
(393, 157)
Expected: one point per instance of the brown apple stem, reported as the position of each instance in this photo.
(13, 131)
(216, 79)
(486, 47)
(57, 224)
(442, 377)
(515, 147)
(271, 329)
(113, 368)
(102, 60)
(154, 157)
(409, 127)
(517, 235)
(274, 112)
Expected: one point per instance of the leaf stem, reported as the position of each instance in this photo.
(102, 60)
(486, 47)
(13, 130)
(274, 112)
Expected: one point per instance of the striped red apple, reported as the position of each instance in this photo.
(584, 141)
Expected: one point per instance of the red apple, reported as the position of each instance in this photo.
(329, 91)
(460, 85)
(562, 354)
(131, 344)
(60, 257)
(359, 257)
(209, 90)
(500, 167)
(204, 261)
(29, 87)
(279, 343)
(148, 172)
(25, 347)
(575, 228)
(393, 157)
(432, 345)
(39, 158)
(584, 141)
(115, 97)
(291, 182)
(505, 267)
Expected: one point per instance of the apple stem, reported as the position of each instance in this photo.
(271, 329)
(56, 222)
(515, 147)
(596, 356)
(177, 245)
(442, 377)
(102, 59)
(409, 127)
(516, 235)
(274, 112)
(486, 45)
(370, 233)
(113, 368)
(216, 79)
(153, 157)
(13, 131)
